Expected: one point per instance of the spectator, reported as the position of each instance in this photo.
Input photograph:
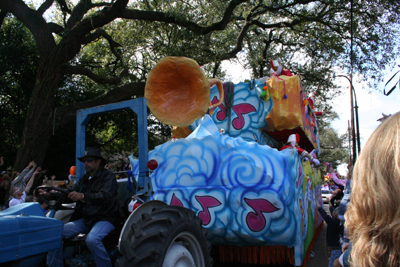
(333, 232)
(344, 202)
(45, 179)
(4, 176)
(52, 183)
(373, 216)
(15, 175)
(18, 194)
(73, 177)
(22, 179)
(37, 179)
(2, 166)
(325, 187)
(336, 198)
(341, 210)
(341, 183)
(96, 211)
(123, 170)
(107, 166)
(343, 260)
(4, 192)
(33, 198)
(3, 173)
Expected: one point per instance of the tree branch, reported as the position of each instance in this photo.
(46, 5)
(77, 13)
(264, 58)
(168, 18)
(239, 43)
(67, 113)
(101, 4)
(33, 21)
(277, 25)
(57, 29)
(81, 27)
(113, 44)
(64, 6)
(90, 74)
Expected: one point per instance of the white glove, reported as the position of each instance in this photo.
(316, 162)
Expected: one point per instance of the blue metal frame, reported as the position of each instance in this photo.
(139, 106)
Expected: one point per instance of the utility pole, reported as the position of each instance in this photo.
(348, 129)
(354, 125)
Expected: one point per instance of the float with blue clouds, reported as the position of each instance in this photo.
(225, 161)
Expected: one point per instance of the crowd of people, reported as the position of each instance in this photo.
(364, 227)
(336, 237)
(18, 187)
(15, 187)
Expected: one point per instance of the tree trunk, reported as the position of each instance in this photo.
(39, 120)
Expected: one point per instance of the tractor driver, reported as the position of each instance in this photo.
(96, 211)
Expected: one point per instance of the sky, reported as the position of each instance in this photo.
(371, 101)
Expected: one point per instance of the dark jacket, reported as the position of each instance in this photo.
(338, 196)
(334, 229)
(100, 201)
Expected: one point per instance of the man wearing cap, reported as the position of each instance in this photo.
(96, 211)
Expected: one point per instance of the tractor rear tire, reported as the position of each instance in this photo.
(168, 236)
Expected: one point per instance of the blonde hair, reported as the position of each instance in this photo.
(373, 215)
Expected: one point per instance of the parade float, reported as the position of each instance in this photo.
(223, 179)
(257, 202)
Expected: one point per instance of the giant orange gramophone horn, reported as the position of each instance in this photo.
(178, 91)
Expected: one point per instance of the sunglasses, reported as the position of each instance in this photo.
(18, 190)
(89, 160)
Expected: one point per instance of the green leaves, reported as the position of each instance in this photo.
(86, 46)
(334, 147)
(19, 59)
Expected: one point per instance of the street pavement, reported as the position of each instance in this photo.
(320, 250)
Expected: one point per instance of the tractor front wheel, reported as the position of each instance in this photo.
(166, 236)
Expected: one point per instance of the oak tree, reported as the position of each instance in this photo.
(310, 37)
